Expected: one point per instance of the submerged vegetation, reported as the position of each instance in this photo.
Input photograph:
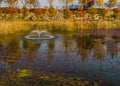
(27, 78)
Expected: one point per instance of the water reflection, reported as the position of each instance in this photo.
(99, 52)
(75, 54)
(9, 49)
(68, 47)
(51, 50)
(112, 48)
(84, 46)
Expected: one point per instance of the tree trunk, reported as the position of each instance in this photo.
(66, 3)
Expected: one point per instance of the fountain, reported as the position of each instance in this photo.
(37, 34)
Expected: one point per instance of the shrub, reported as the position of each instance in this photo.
(67, 13)
(117, 13)
(39, 12)
(30, 16)
(92, 11)
(10, 10)
(51, 12)
(24, 11)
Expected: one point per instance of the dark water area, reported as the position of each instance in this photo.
(94, 55)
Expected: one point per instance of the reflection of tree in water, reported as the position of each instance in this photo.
(112, 48)
(68, 43)
(84, 54)
(0, 43)
(84, 44)
(30, 48)
(99, 53)
(10, 48)
(28, 44)
(51, 50)
(1, 49)
(10, 51)
(68, 46)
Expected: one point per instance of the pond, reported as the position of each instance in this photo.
(92, 54)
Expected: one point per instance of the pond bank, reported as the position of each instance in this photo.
(26, 78)
(12, 27)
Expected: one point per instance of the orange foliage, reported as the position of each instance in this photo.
(38, 11)
(117, 12)
(67, 13)
(80, 8)
(10, 10)
(117, 15)
(80, 12)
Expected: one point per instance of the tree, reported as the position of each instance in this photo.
(11, 2)
(88, 3)
(80, 12)
(1, 2)
(92, 11)
(39, 12)
(24, 11)
(117, 13)
(66, 2)
(36, 4)
(100, 2)
(98, 48)
(112, 3)
(51, 12)
(115, 2)
(31, 2)
(103, 12)
(67, 13)
(84, 2)
(23, 2)
(11, 11)
(50, 2)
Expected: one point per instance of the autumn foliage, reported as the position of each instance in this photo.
(51, 12)
(38, 11)
(80, 12)
(117, 13)
(67, 13)
(9, 10)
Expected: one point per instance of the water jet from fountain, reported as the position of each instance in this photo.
(37, 34)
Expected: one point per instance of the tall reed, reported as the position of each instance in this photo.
(10, 27)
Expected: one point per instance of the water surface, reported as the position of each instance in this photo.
(94, 55)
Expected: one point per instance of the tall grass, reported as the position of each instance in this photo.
(10, 27)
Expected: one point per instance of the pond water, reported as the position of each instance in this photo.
(94, 55)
